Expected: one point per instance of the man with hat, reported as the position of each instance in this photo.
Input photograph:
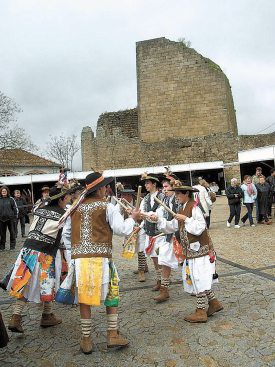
(36, 271)
(44, 196)
(94, 221)
(198, 268)
(148, 205)
(166, 258)
(127, 193)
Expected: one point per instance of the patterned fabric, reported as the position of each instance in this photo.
(24, 273)
(151, 229)
(149, 248)
(112, 298)
(89, 281)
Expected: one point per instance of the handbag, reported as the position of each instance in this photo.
(66, 292)
(4, 338)
(5, 281)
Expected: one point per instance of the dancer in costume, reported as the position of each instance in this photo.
(94, 221)
(198, 266)
(127, 193)
(36, 270)
(166, 258)
(148, 205)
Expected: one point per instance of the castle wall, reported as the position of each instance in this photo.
(180, 93)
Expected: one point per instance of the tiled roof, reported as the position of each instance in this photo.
(22, 158)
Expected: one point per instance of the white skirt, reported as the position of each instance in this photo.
(201, 273)
(167, 256)
(141, 240)
(158, 243)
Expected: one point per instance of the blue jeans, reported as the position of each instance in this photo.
(249, 207)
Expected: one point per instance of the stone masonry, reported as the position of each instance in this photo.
(185, 114)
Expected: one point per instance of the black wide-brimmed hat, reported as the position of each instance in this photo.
(184, 188)
(57, 193)
(95, 181)
(127, 189)
(150, 177)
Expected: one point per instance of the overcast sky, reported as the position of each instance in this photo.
(66, 62)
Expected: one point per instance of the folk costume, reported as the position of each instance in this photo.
(35, 277)
(152, 243)
(141, 236)
(197, 247)
(94, 221)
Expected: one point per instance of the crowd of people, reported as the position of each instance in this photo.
(255, 191)
(67, 254)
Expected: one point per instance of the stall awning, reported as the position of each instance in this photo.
(257, 154)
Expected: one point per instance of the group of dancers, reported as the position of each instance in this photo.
(171, 230)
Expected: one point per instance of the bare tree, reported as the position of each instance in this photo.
(12, 136)
(63, 149)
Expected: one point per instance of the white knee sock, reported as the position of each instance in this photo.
(86, 327)
(112, 321)
(18, 307)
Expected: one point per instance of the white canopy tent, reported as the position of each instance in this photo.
(257, 154)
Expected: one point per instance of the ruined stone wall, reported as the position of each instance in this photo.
(180, 93)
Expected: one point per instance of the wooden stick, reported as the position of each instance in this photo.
(119, 202)
(159, 235)
(138, 197)
(165, 207)
(127, 203)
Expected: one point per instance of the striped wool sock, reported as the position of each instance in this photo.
(18, 307)
(112, 321)
(159, 274)
(165, 282)
(47, 308)
(86, 327)
(141, 261)
(201, 300)
(210, 295)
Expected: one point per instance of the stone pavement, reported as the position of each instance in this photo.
(241, 335)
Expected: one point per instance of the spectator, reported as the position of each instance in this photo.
(271, 181)
(8, 217)
(249, 195)
(263, 190)
(22, 212)
(44, 197)
(203, 197)
(214, 187)
(255, 180)
(210, 201)
(234, 195)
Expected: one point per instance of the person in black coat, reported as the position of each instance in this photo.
(8, 217)
(271, 181)
(263, 189)
(22, 212)
(234, 195)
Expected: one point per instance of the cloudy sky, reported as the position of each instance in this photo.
(65, 62)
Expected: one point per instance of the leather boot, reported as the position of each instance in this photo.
(214, 306)
(86, 344)
(15, 324)
(114, 339)
(141, 276)
(48, 320)
(199, 315)
(157, 286)
(163, 295)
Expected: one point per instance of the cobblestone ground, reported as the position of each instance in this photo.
(241, 335)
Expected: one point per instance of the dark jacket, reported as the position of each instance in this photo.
(22, 207)
(263, 196)
(8, 209)
(271, 181)
(234, 195)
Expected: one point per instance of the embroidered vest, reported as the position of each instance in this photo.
(204, 238)
(91, 233)
(168, 216)
(151, 229)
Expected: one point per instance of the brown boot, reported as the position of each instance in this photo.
(199, 315)
(114, 339)
(86, 344)
(157, 286)
(214, 306)
(141, 276)
(15, 324)
(48, 320)
(163, 295)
